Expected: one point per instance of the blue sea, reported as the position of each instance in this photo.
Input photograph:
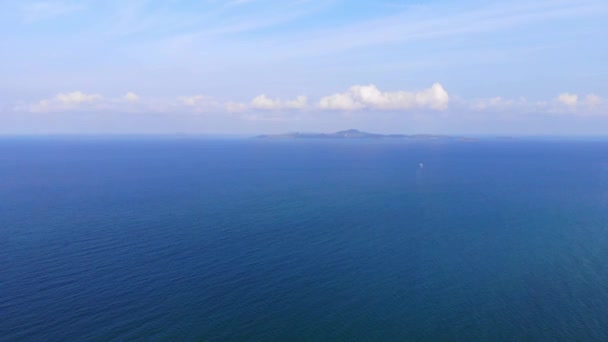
(177, 238)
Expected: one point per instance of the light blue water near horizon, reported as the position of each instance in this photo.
(186, 239)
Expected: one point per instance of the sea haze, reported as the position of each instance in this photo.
(292, 240)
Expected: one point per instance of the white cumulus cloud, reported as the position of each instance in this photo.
(198, 103)
(568, 99)
(235, 107)
(131, 97)
(593, 100)
(590, 104)
(564, 103)
(370, 97)
(264, 102)
(62, 102)
(499, 103)
(76, 97)
(299, 102)
(191, 100)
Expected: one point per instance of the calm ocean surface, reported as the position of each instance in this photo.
(185, 239)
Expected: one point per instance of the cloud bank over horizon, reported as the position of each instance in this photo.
(273, 66)
(357, 98)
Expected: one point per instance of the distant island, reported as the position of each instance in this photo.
(357, 134)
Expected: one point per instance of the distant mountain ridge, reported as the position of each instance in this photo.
(356, 134)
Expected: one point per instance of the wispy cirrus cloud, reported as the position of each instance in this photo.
(425, 23)
(43, 10)
(204, 20)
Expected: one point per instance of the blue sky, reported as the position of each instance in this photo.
(265, 66)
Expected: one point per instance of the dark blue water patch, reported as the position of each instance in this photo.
(303, 240)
